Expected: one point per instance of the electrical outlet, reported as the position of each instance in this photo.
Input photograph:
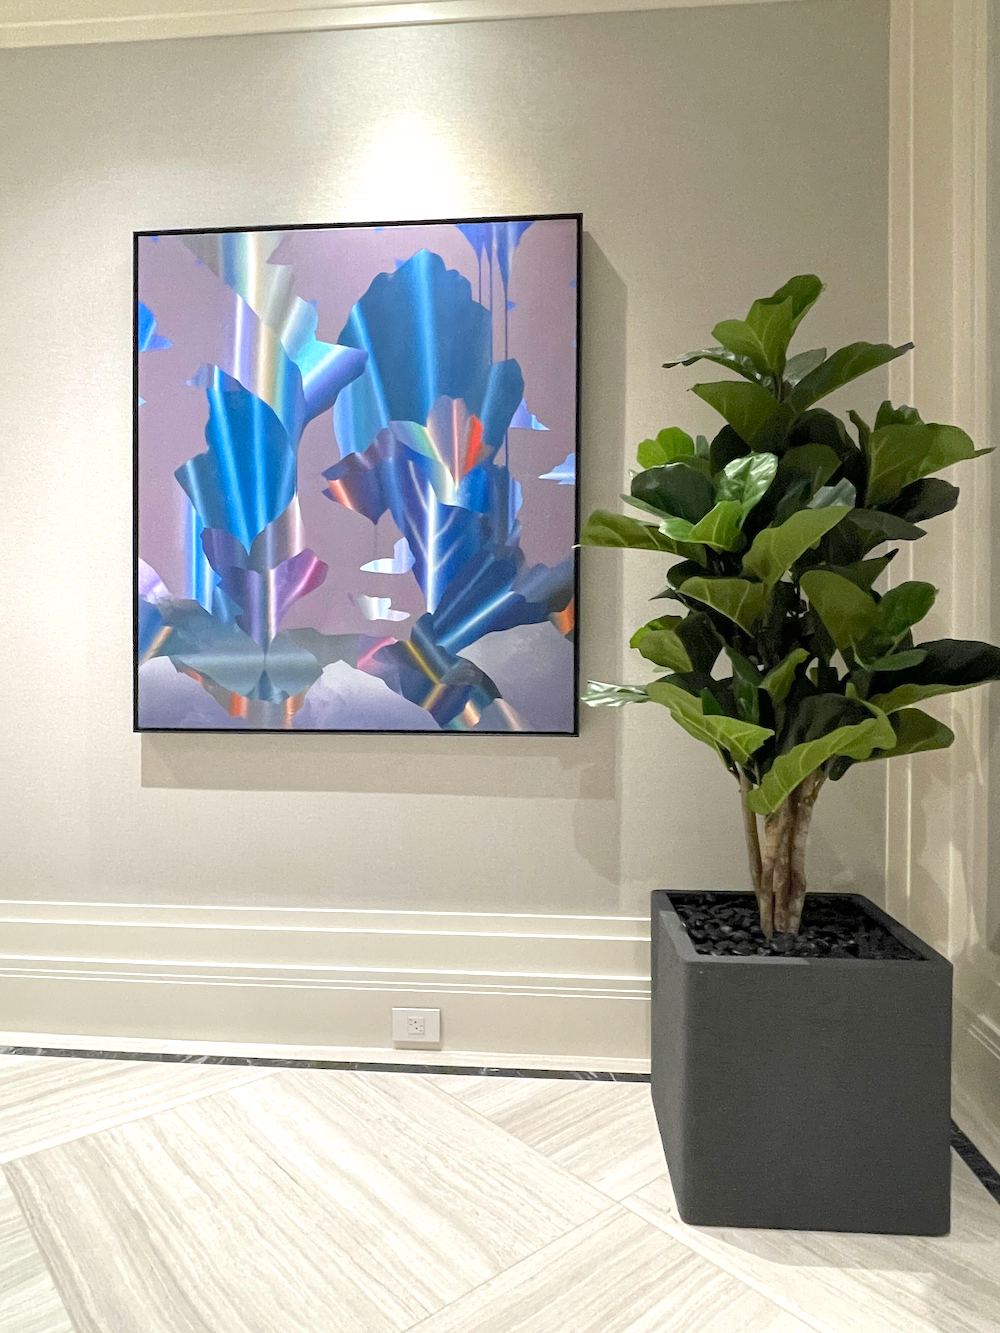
(416, 1027)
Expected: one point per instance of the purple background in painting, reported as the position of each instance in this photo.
(333, 268)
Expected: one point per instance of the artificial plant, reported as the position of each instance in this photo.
(785, 659)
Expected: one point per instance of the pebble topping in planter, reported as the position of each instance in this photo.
(728, 924)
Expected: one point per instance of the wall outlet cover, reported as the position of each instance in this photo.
(416, 1027)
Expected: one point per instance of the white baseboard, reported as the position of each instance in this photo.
(546, 986)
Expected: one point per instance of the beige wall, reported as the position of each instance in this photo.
(713, 153)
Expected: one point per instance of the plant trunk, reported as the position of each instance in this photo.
(752, 835)
(779, 873)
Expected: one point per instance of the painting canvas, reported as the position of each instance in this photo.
(355, 453)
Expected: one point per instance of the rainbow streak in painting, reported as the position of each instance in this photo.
(285, 616)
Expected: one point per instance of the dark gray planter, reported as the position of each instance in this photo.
(803, 1093)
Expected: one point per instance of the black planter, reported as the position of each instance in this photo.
(804, 1093)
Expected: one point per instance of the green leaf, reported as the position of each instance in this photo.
(746, 479)
(878, 527)
(748, 408)
(841, 493)
(888, 415)
(898, 661)
(797, 367)
(841, 368)
(949, 665)
(720, 528)
(720, 356)
(863, 429)
(903, 606)
(743, 341)
(901, 454)
(738, 600)
(725, 449)
(740, 738)
(924, 499)
(601, 694)
(803, 291)
(915, 731)
(659, 642)
(746, 685)
(676, 490)
(669, 445)
(864, 572)
(778, 680)
(775, 550)
(855, 741)
(603, 528)
(847, 612)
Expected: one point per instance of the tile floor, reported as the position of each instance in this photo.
(187, 1198)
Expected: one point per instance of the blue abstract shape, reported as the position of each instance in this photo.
(564, 473)
(425, 339)
(525, 420)
(247, 477)
(148, 339)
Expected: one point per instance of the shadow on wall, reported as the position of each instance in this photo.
(557, 767)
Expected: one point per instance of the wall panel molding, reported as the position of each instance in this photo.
(69, 22)
(572, 987)
(937, 855)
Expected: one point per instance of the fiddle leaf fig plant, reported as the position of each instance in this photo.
(782, 655)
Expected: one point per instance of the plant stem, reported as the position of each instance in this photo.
(784, 831)
(753, 842)
(808, 791)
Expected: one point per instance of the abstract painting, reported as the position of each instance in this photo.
(355, 452)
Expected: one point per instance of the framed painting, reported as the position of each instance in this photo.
(355, 477)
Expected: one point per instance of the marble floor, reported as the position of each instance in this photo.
(144, 1197)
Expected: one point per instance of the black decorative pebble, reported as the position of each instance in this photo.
(724, 923)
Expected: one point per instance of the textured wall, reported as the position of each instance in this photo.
(713, 152)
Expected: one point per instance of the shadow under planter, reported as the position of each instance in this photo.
(805, 1093)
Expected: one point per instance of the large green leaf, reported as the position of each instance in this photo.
(744, 341)
(746, 479)
(841, 368)
(738, 600)
(855, 741)
(903, 453)
(800, 365)
(924, 499)
(675, 489)
(778, 680)
(915, 731)
(864, 572)
(740, 738)
(720, 356)
(659, 642)
(904, 606)
(803, 291)
(719, 529)
(776, 549)
(748, 408)
(847, 612)
(669, 445)
(602, 694)
(603, 528)
(949, 665)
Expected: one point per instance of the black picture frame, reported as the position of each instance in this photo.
(137, 236)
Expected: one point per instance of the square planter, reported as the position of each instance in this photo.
(811, 1093)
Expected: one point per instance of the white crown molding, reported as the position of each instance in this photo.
(72, 22)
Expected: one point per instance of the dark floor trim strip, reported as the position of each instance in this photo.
(983, 1169)
(362, 1066)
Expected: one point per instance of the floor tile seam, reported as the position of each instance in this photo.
(9, 1159)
